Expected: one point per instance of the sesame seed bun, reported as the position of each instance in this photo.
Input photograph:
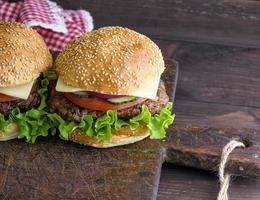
(112, 60)
(119, 137)
(24, 55)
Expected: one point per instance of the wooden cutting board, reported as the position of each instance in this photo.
(54, 169)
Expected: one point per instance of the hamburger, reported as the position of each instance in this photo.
(109, 90)
(24, 56)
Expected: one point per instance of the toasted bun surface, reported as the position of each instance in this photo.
(24, 55)
(11, 133)
(120, 137)
(112, 60)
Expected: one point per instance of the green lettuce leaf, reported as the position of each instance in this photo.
(144, 116)
(159, 122)
(42, 92)
(102, 127)
(4, 123)
(31, 124)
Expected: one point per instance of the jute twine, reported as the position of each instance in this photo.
(223, 177)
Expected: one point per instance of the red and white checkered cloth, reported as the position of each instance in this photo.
(9, 11)
(56, 25)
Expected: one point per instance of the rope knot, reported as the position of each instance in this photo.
(223, 177)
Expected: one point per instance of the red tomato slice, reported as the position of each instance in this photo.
(5, 98)
(95, 103)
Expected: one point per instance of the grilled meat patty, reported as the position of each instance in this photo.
(61, 105)
(32, 101)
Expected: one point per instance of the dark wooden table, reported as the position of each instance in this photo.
(216, 44)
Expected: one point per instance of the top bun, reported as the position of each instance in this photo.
(112, 60)
(24, 55)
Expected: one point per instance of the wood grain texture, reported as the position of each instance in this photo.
(218, 86)
(217, 99)
(223, 75)
(58, 170)
(228, 22)
(182, 183)
(201, 147)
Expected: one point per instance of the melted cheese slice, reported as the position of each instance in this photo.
(19, 91)
(142, 92)
(62, 87)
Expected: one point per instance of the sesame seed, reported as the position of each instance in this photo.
(25, 55)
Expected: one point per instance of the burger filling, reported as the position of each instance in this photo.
(73, 106)
(28, 114)
(98, 114)
(8, 103)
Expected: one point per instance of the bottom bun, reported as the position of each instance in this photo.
(11, 133)
(119, 137)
